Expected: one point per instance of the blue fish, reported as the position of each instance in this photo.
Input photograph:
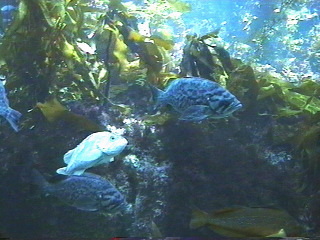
(87, 192)
(8, 113)
(7, 15)
(196, 99)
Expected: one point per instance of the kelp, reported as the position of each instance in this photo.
(287, 99)
(125, 37)
(300, 104)
(54, 111)
(157, 119)
(39, 50)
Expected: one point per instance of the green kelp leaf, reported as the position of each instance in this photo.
(313, 105)
(265, 92)
(46, 13)
(124, 109)
(117, 89)
(180, 6)
(157, 119)
(213, 34)
(57, 10)
(302, 102)
(116, 4)
(19, 18)
(54, 111)
(309, 88)
(287, 112)
(295, 99)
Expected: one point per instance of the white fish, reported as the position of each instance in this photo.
(98, 148)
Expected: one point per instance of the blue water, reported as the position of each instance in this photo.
(229, 15)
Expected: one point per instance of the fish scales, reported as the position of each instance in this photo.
(11, 115)
(197, 99)
(87, 192)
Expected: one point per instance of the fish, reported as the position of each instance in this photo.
(88, 192)
(7, 15)
(11, 115)
(98, 148)
(247, 222)
(196, 99)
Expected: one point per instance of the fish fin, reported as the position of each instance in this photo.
(227, 210)
(156, 96)
(13, 118)
(199, 218)
(280, 234)
(67, 157)
(78, 172)
(155, 231)
(195, 113)
(39, 180)
(64, 171)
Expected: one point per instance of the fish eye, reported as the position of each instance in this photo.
(112, 138)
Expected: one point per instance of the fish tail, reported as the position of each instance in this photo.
(62, 171)
(39, 180)
(13, 118)
(156, 95)
(199, 218)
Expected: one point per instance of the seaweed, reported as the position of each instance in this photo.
(54, 111)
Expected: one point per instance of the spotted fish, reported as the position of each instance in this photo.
(8, 113)
(197, 99)
(88, 192)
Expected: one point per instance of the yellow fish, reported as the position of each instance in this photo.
(247, 222)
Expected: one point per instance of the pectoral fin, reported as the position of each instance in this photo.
(196, 113)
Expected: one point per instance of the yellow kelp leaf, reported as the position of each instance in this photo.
(54, 111)
(157, 119)
(166, 44)
(120, 52)
(135, 36)
(69, 51)
(179, 6)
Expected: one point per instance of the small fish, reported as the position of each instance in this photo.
(8, 113)
(96, 149)
(7, 15)
(197, 99)
(247, 222)
(88, 192)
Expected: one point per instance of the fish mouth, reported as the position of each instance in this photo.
(237, 105)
